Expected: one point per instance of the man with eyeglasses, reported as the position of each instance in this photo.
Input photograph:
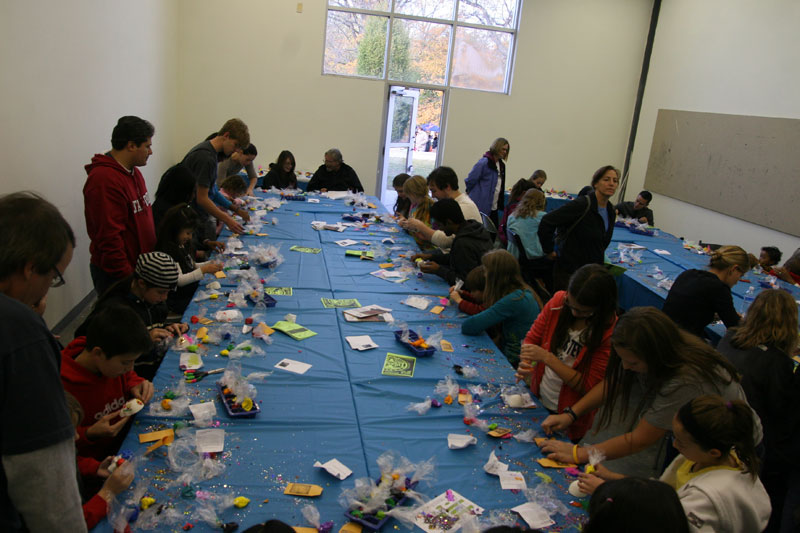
(334, 175)
(38, 483)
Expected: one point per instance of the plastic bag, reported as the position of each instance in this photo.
(469, 372)
(311, 514)
(526, 436)
(545, 495)
(447, 387)
(229, 315)
(435, 340)
(420, 408)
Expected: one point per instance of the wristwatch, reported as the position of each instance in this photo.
(570, 412)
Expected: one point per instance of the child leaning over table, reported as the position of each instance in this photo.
(470, 298)
(98, 370)
(95, 507)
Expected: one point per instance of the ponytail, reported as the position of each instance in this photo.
(715, 423)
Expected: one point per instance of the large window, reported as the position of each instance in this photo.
(455, 43)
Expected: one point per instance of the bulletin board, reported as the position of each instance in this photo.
(747, 167)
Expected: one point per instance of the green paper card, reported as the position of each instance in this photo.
(295, 331)
(278, 291)
(360, 253)
(330, 303)
(399, 365)
(305, 249)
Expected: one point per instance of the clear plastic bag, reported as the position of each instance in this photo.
(420, 408)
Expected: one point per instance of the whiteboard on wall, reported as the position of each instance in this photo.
(746, 167)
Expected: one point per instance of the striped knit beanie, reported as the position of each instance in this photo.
(158, 269)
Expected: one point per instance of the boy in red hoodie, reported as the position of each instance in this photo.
(98, 370)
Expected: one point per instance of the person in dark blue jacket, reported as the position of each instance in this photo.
(486, 182)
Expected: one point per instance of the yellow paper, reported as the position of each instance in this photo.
(371, 205)
(303, 489)
(464, 398)
(300, 529)
(499, 432)
(350, 527)
(262, 234)
(446, 346)
(205, 321)
(156, 435)
(549, 463)
(220, 275)
(386, 265)
(265, 329)
(436, 310)
(202, 332)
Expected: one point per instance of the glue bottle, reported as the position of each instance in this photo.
(749, 296)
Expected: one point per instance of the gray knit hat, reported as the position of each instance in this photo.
(158, 269)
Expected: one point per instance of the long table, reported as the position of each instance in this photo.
(343, 407)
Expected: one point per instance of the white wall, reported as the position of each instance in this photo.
(720, 56)
(69, 71)
(577, 69)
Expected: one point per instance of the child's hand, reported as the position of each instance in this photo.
(455, 296)
(144, 391)
(177, 328)
(605, 474)
(117, 482)
(159, 334)
(211, 268)
(534, 353)
(102, 470)
(588, 483)
(103, 428)
(429, 267)
(557, 423)
(216, 246)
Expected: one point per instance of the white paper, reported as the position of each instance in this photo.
(346, 242)
(457, 441)
(512, 480)
(203, 410)
(534, 514)
(661, 252)
(449, 502)
(368, 310)
(210, 440)
(335, 468)
(493, 466)
(293, 366)
(361, 342)
(190, 361)
(336, 195)
(313, 200)
(393, 274)
(260, 212)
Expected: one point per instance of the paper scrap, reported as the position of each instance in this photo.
(313, 200)
(334, 468)
(190, 361)
(295, 331)
(361, 342)
(534, 514)
(351, 527)
(302, 489)
(330, 303)
(210, 440)
(550, 463)
(203, 410)
(346, 242)
(279, 291)
(386, 265)
(457, 441)
(661, 252)
(220, 274)
(305, 249)
(389, 275)
(446, 346)
(156, 435)
(291, 365)
(436, 310)
(399, 365)
(417, 302)
(512, 480)
(449, 504)
(493, 466)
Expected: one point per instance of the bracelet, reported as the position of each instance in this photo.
(575, 455)
(570, 412)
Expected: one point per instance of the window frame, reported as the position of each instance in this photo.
(454, 25)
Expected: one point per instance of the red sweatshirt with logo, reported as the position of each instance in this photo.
(97, 394)
(119, 219)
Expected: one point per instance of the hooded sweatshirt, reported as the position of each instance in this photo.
(97, 394)
(119, 220)
(470, 243)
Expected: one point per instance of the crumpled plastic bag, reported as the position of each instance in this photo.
(420, 408)
(312, 516)
(232, 378)
(447, 387)
(544, 494)
(229, 315)
(179, 406)
(526, 436)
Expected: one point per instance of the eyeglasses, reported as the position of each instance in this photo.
(58, 279)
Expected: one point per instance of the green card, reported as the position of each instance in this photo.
(295, 331)
(305, 249)
(360, 253)
(279, 291)
(329, 303)
(399, 365)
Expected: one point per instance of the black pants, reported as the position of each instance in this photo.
(101, 279)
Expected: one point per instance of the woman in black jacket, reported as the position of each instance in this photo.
(761, 348)
(579, 232)
(281, 173)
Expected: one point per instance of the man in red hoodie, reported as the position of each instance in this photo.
(119, 220)
(98, 371)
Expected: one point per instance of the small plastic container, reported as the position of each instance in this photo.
(235, 412)
(416, 350)
(372, 522)
(647, 232)
(269, 301)
(294, 198)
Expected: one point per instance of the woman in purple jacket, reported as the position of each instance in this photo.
(486, 181)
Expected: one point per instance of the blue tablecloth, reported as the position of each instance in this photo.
(342, 407)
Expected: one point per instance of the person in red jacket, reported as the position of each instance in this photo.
(567, 348)
(119, 219)
(98, 370)
(96, 507)
(470, 298)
